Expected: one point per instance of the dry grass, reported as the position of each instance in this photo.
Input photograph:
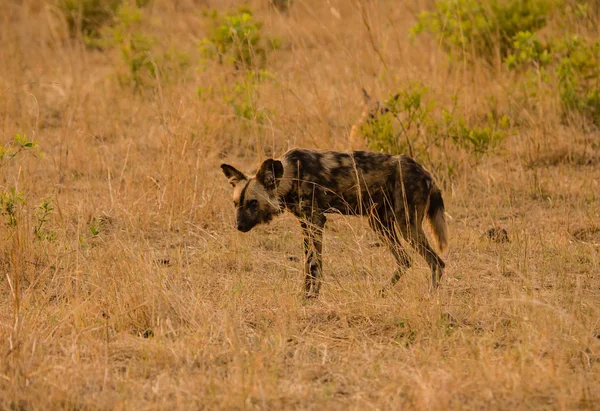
(169, 307)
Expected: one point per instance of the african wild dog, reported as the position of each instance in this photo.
(372, 110)
(392, 191)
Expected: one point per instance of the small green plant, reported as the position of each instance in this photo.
(43, 213)
(23, 142)
(477, 140)
(10, 203)
(136, 52)
(409, 122)
(570, 65)
(95, 226)
(237, 39)
(578, 73)
(528, 51)
(20, 143)
(11, 200)
(136, 47)
(532, 62)
(481, 29)
(244, 95)
(381, 135)
(140, 52)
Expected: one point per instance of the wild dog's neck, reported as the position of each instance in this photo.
(283, 189)
(286, 182)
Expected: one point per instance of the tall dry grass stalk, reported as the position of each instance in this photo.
(147, 297)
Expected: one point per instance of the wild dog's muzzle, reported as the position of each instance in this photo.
(243, 228)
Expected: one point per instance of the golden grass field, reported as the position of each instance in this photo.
(148, 298)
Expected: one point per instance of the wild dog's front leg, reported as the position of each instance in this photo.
(312, 228)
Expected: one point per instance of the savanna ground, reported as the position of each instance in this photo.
(125, 284)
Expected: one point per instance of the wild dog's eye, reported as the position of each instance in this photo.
(252, 204)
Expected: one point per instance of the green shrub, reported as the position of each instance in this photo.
(381, 135)
(11, 202)
(571, 63)
(136, 53)
(409, 123)
(399, 122)
(142, 54)
(527, 51)
(20, 143)
(244, 95)
(483, 29)
(578, 72)
(477, 140)
(136, 47)
(43, 213)
(237, 39)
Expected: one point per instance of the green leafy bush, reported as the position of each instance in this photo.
(578, 72)
(144, 58)
(483, 29)
(244, 95)
(20, 143)
(571, 63)
(11, 202)
(408, 123)
(477, 140)
(237, 39)
(43, 213)
(135, 46)
(401, 120)
(527, 50)
(381, 136)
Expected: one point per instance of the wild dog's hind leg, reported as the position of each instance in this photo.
(312, 228)
(414, 233)
(386, 230)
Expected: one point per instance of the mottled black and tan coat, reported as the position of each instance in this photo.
(394, 192)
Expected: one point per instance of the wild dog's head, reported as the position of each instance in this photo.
(255, 198)
(373, 110)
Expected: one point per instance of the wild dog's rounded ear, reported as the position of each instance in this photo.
(234, 175)
(270, 171)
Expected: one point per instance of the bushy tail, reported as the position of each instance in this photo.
(437, 218)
